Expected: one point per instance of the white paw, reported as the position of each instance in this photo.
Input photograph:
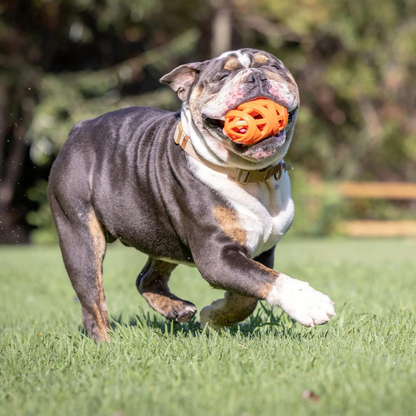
(301, 302)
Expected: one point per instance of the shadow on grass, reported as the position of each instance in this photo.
(263, 322)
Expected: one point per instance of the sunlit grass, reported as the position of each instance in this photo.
(362, 362)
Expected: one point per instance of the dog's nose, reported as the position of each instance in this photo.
(257, 76)
(250, 78)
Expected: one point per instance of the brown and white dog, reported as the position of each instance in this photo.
(184, 193)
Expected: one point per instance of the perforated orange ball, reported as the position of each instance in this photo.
(255, 120)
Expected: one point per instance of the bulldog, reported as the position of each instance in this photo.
(174, 186)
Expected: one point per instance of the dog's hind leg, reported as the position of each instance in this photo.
(83, 246)
(233, 308)
(228, 311)
(152, 283)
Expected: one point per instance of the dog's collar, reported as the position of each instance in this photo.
(235, 174)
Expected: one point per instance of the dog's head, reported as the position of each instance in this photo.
(212, 88)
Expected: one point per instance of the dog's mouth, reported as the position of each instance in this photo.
(217, 126)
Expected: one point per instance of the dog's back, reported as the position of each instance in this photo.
(116, 166)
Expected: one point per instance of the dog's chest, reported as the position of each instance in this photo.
(266, 213)
(265, 210)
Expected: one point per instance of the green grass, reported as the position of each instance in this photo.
(361, 363)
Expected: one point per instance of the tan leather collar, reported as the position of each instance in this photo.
(235, 174)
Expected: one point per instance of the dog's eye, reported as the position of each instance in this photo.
(276, 66)
(220, 77)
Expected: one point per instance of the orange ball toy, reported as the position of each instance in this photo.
(255, 120)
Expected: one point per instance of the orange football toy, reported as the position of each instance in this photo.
(255, 120)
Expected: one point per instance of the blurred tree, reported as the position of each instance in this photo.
(354, 62)
(62, 61)
(65, 60)
(222, 26)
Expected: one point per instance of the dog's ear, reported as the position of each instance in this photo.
(183, 77)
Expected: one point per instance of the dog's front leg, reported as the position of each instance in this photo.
(232, 270)
(233, 308)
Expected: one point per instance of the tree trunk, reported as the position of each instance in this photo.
(221, 27)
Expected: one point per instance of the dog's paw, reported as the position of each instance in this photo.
(175, 309)
(181, 312)
(170, 306)
(227, 312)
(301, 302)
(209, 315)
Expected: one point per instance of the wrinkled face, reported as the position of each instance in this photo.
(212, 88)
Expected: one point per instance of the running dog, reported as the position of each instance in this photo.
(174, 186)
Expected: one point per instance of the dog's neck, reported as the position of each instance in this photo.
(216, 156)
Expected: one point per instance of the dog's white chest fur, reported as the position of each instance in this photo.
(265, 209)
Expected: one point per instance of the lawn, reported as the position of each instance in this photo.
(361, 363)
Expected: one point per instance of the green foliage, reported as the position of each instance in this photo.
(354, 63)
(362, 362)
(317, 209)
(70, 98)
(45, 232)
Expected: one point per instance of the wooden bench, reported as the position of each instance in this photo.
(379, 190)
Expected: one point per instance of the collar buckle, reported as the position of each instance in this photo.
(250, 176)
(180, 137)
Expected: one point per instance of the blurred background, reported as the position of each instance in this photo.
(354, 149)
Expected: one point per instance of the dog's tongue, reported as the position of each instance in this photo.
(241, 131)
